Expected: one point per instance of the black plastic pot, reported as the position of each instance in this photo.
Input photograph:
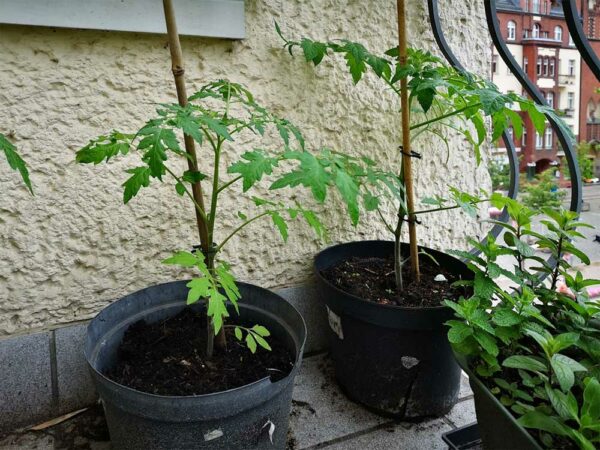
(395, 361)
(463, 438)
(498, 428)
(236, 419)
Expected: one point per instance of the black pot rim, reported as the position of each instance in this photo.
(360, 299)
(265, 380)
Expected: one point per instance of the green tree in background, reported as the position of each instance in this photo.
(586, 164)
(543, 192)
(500, 174)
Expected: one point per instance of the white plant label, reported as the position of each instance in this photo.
(335, 323)
(214, 434)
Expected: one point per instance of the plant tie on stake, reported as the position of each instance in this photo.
(412, 153)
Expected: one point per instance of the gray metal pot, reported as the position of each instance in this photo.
(252, 416)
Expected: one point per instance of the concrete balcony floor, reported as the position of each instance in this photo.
(322, 417)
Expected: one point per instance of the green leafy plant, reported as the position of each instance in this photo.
(217, 117)
(543, 192)
(586, 163)
(499, 173)
(439, 98)
(537, 348)
(15, 161)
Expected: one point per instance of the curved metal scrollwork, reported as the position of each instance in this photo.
(438, 33)
(579, 38)
(536, 95)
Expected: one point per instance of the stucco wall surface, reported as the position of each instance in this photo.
(75, 247)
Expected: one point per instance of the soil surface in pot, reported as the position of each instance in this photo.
(373, 279)
(168, 358)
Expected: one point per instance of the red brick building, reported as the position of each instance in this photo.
(538, 37)
(589, 127)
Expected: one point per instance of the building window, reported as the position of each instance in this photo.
(526, 5)
(525, 64)
(539, 66)
(548, 137)
(552, 67)
(571, 67)
(539, 140)
(558, 33)
(571, 43)
(524, 138)
(570, 100)
(512, 30)
(535, 6)
(545, 69)
(494, 63)
(550, 99)
(535, 31)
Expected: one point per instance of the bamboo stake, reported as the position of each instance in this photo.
(178, 73)
(406, 159)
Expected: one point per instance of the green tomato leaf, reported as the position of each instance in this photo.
(256, 164)
(261, 331)
(140, 177)
(251, 342)
(262, 342)
(183, 259)
(280, 223)
(238, 333)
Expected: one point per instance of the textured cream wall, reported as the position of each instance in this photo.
(75, 247)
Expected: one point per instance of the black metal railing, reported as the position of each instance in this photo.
(566, 142)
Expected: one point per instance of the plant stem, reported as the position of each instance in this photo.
(229, 183)
(188, 193)
(406, 159)
(398, 256)
(444, 116)
(234, 232)
(178, 70)
(556, 270)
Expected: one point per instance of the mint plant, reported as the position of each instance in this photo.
(15, 161)
(439, 97)
(537, 348)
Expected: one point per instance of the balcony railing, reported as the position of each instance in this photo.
(566, 79)
(568, 112)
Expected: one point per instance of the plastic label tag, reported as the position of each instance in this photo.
(335, 323)
(214, 434)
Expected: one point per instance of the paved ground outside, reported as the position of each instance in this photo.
(322, 417)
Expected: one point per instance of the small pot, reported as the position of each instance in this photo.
(394, 360)
(498, 428)
(251, 416)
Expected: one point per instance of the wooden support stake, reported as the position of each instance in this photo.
(406, 159)
(178, 73)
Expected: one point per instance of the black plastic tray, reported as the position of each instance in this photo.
(464, 438)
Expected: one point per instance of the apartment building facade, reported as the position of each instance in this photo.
(537, 35)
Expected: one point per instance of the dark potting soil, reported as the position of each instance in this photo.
(373, 279)
(168, 358)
